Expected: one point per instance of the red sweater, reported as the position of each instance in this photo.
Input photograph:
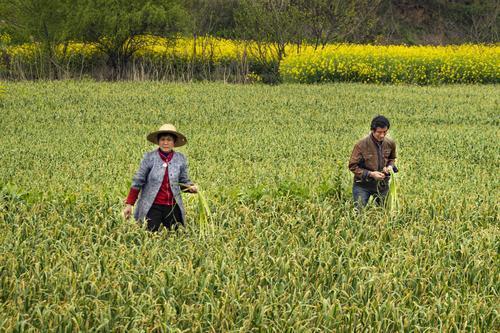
(165, 195)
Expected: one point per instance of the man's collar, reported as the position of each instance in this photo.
(378, 143)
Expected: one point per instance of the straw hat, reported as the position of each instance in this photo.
(167, 129)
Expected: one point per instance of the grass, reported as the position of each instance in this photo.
(289, 252)
(204, 217)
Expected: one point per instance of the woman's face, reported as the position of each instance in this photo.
(166, 142)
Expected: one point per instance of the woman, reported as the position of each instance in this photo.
(161, 175)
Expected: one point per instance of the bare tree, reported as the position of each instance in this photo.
(327, 21)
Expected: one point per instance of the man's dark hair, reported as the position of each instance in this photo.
(159, 136)
(380, 122)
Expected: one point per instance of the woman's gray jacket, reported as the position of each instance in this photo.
(149, 178)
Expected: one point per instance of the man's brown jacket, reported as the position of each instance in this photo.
(370, 155)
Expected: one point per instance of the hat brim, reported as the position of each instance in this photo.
(180, 141)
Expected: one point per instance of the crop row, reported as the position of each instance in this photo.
(288, 252)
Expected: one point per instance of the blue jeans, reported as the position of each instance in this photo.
(361, 195)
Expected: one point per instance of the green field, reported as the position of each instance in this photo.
(289, 251)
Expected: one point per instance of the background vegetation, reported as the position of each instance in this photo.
(114, 29)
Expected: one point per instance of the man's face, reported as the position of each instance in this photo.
(379, 133)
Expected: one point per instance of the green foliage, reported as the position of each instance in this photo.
(292, 254)
(212, 17)
(273, 24)
(115, 26)
(205, 223)
(44, 22)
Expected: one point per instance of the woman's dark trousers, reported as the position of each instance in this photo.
(168, 216)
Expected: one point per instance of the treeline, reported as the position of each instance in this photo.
(113, 27)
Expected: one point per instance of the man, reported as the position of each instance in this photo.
(371, 161)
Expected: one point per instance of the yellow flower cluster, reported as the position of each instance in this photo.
(212, 49)
(215, 50)
(333, 63)
(31, 51)
(394, 64)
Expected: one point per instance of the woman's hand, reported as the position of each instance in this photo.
(127, 211)
(192, 189)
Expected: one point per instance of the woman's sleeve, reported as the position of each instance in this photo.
(132, 196)
(141, 176)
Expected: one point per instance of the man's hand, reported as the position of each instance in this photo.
(377, 175)
(387, 169)
(127, 211)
